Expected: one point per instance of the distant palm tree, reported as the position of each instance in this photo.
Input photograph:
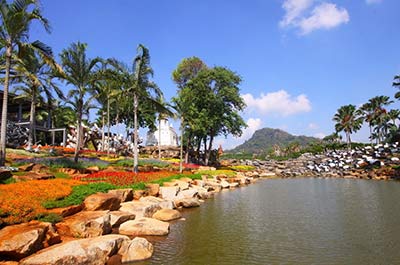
(379, 115)
(396, 83)
(36, 76)
(79, 73)
(15, 21)
(347, 119)
(394, 115)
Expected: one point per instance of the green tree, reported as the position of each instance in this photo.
(347, 119)
(396, 83)
(79, 72)
(379, 115)
(15, 21)
(210, 103)
(36, 76)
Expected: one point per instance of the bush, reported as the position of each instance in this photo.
(167, 179)
(49, 217)
(229, 173)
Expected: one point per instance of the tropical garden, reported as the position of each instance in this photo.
(63, 90)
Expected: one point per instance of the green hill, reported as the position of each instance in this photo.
(264, 139)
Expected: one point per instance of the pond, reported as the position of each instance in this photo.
(289, 221)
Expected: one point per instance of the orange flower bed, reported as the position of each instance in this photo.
(21, 202)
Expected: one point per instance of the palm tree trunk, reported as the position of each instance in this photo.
(159, 137)
(79, 131)
(3, 128)
(135, 134)
(181, 149)
(108, 126)
(205, 151)
(32, 118)
(102, 132)
(348, 141)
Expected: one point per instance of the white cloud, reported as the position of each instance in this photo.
(369, 2)
(279, 102)
(323, 16)
(294, 9)
(252, 126)
(319, 135)
(313, 126)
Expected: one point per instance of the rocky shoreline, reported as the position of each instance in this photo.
(110, 228)
(379, 162)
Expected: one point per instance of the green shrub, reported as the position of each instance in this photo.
(242, 168)
(170, 178)
(229, 173)
(49, 217)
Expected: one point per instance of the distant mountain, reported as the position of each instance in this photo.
(264, 139)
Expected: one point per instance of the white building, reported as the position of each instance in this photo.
(168, 135)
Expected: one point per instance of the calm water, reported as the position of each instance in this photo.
(289, 221)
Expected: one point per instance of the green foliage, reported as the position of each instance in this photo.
(49, 217)
(244, 156)
(61, 175)
(8, 181)
(79, 193)
(142, 162)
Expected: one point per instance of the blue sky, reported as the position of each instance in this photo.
(300, 60)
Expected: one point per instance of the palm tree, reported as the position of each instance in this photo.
(79, 73)
(137, 85)
(15, 20)
(379, 114)
(37, 78)
(394, 115)
(396, 83)
(347, 119)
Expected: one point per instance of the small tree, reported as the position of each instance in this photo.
(347, 119)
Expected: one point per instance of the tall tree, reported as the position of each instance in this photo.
(15, 21)
(211, 103)
(347, 119)
(79, 73)
(146, 95)
(396, 83)
(379, 115)
(36, 76)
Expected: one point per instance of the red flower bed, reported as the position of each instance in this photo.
(188, 165)
(122, 178)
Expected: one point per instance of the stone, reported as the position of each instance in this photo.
(140, 208)
(34, 176)
(137, 194)
(123, 194)
(9, 262)
(187, 202)
(22, 240)
(94, 251)
(182, 184)
(118, 217)
(153, 189)
(39, 168)
(169, 193)
(67, 211)
(102, 201)
(189, 193)
(144, 227)
(233, 185)
(167, 215)
(26, 167)
(86, 224)
(5, 174)
(135, 250)
(225, 184)
(92, 169)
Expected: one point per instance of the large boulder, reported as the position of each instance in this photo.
(94, 251)
(86, 224)
(167, 215)
(102, 201)
(183, 185)
(168, 204)
(188, 193)
(187, 202)
(67, 211)
(153, 189)
(136, 250)
(144, 227)
(118, 217)
(140, 208)
(169, 193)
(123, 194)
(19, 241)
(224, 184)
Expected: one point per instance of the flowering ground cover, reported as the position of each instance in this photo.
(22, 201)
(124, 178)
(63, 162)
